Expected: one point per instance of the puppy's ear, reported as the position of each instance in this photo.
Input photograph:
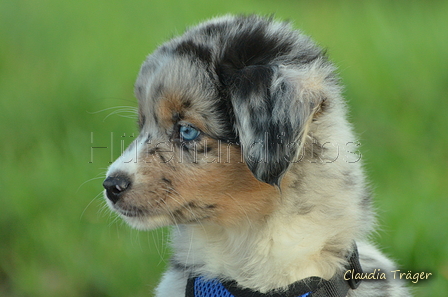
(273, 106)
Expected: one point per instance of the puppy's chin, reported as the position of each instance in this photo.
(147, 222)
(142, 221)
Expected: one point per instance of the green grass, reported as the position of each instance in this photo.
(62, 63)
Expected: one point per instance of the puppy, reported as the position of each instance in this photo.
(244, 146)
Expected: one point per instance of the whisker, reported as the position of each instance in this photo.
(91, 201)
(122, 111)
(89, 180)
(154, 240)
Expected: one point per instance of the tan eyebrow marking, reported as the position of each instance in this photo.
(174, 107)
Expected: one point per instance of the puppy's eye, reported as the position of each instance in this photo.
(188, 133)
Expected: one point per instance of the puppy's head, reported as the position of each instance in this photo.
(223, 110)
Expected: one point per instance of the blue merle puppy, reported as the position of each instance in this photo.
(245, 147)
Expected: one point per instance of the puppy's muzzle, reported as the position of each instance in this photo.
(116, 186)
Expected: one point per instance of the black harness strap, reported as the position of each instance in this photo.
(337, 286)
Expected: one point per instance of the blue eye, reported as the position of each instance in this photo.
(188, 133)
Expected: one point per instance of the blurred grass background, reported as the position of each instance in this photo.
(66, 65)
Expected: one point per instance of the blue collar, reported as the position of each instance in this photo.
(201, 287)
(337, 286)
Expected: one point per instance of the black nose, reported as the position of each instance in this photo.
(115, 186)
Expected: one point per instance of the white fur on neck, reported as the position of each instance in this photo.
(269, 255)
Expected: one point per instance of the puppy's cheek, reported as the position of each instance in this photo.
(229, 192)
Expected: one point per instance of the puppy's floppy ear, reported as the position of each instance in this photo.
(273, 105)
